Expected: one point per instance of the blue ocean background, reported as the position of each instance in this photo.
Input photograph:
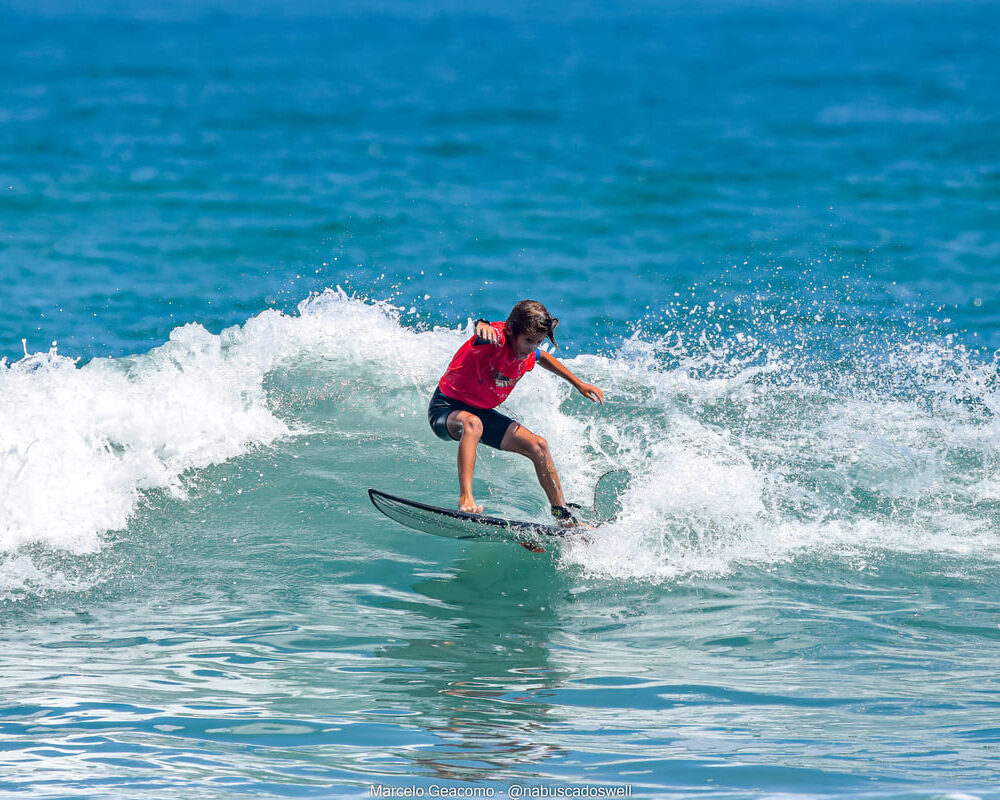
(238, 246)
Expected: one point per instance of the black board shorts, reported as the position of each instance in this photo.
(495, 424)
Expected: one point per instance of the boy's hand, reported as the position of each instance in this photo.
(591, 392)
(487, 333)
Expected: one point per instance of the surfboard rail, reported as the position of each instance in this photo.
(455, 524)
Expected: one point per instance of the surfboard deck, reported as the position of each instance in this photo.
(454, 524)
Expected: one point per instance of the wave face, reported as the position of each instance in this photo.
(745, 448)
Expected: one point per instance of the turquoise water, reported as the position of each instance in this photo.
(239, 246)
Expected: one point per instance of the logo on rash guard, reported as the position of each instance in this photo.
(502, 380)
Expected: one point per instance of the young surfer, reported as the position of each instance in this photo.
(481, 375)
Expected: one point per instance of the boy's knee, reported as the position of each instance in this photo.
(473, 426)
(539, 448)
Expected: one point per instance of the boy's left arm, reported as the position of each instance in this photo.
(552, 364)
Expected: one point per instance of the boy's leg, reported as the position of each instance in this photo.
(519, 439)
(468, 429)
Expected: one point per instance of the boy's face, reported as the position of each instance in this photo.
(526, 344)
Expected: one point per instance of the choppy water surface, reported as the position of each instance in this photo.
(770, 235)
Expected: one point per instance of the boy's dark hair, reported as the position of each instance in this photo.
(532, 318)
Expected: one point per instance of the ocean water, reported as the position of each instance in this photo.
(238, 246)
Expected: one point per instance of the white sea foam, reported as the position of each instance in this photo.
(79, 444)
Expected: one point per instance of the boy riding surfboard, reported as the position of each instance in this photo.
(480, 377)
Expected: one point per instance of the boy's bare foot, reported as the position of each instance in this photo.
(468, 505)
(574, 525)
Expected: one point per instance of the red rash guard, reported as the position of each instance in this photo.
(482, 374)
